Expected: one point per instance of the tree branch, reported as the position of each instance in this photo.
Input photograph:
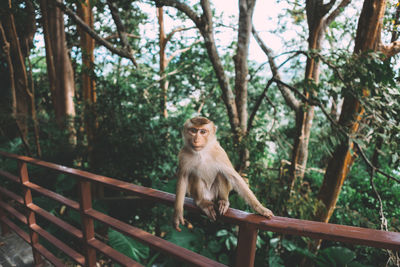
(93, 34)
(391, 49)
(290, 100)
(257, 105)
(179, 51)
(120, 29)
(337, 11)
(181, 7)
(205, 25)
(316, 102)
(114, 36)
(180, 29)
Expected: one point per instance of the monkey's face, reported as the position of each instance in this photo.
(197, 136)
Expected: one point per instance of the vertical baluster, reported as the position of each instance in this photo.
(246, 248)
(4, 227)
(31, 220)
(87, 222)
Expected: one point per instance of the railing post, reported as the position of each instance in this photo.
(30, 216)
(87, 222)
(246, 248)
(4, 227)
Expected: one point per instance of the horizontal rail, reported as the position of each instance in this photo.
(13, 212)
(157, 243)
(312, 229)
(248, 223)
(17, 230)
(42, 250)
(11, 195)
(48, 255)
(50, 194)
(153, 241)
(57, 221)
(113, 254)
(45, 214)
(9, 176)
(319, 230)
(78, 258)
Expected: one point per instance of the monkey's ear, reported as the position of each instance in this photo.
(215, 128)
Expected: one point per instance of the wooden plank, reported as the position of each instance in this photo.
(246, 247)
(39, 248)
(49, 256)
(85, 194)
(9, 176)
(30, 215)
(75, 256)
(155, 242)
(11, 195)
(17, 230)
(317, 230)
(112, 253)
(57, 221)
(50, 194)
(13, 212)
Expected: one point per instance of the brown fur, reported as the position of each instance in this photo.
(206, 173)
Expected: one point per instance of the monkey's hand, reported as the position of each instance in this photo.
(210, 211)
(223, 206)
(178, 219)
(265, 212)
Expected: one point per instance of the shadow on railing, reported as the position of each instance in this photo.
(249, 224)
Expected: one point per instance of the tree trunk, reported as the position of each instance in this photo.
(236, 104)
(367, 38)
(318, 19)
(246, 10)
(87, 44)
(60, 72)
(20, 96)
(163, 62)
(305, 114)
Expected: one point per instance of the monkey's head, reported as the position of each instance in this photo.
(198, 132)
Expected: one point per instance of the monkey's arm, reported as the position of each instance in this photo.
(181, 188)
(240, 186)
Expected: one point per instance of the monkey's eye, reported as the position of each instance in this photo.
(203, 131)
(192, 131)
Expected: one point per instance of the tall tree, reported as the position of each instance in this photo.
(318, 19)
(59, 67)
(164, 60)
(236, 103)
(367, 39)
(88, 86)
(16, 47)
(319, 16)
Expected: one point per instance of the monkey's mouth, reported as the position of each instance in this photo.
(197, 147)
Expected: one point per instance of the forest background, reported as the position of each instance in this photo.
(313, 125)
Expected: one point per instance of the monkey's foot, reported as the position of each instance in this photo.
(265, 212)
(210, 212)
(223, 206)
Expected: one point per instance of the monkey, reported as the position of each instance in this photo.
(207, 175)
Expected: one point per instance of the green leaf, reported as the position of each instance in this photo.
(127, 246)
(185, 238)
(65, 183)
(214, 246)
(335, 256)
(224, 259)
(223, 232)
(274, 260)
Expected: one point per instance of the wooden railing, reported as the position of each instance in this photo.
(249, 224)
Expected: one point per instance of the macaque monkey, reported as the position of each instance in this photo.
(207, 174)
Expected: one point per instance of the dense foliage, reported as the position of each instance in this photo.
(135, 143)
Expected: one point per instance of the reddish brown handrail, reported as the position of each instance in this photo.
(249, 224)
